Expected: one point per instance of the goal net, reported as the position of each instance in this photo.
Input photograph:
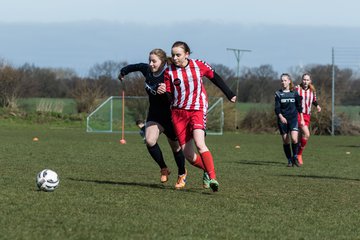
(107, 117)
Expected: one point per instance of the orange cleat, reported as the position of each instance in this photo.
(181, 182)
(300, 160)
(165, 172)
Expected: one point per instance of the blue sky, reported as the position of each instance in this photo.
(80, 33)
(304, 12)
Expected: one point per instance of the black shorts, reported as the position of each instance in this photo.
(292, 125)
(164, 119)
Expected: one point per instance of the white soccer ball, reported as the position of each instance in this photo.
(47, 180)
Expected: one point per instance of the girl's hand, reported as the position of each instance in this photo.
(302, 123)
(233, 99)
(283, 120)
(161, 88)
(318, 108)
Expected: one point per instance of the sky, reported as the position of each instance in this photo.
(79, 33)
(305, 12)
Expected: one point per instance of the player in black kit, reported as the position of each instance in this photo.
(159, 116)
(287, 107)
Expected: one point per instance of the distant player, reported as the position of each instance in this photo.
(287, 108)
(307, 93)
(185, 88)
(159, 117)
(141, 126)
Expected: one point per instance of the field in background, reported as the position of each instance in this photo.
(112, 191)
(58, 105)
(68, 106)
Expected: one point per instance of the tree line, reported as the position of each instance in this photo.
(256, 84)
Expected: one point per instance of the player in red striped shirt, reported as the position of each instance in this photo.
(307, 93)
(184, 85)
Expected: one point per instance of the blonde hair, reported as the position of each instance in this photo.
(291, 85)
(161, 54)
(311, 86)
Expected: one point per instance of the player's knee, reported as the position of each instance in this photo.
(150, 141)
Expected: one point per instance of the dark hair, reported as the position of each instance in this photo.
(139, 121)
(183, 45)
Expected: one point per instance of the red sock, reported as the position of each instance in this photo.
(303, 142)
(198, 163)
(209, 164)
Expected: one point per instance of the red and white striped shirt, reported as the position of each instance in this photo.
(307, 98)
(186, 84)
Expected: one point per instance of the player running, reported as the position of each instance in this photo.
(307, 93)
(184, 86)
(287, 108)
(159, 117)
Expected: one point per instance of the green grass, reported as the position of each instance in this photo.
(65, 105)
(353, 112)
(112, 191)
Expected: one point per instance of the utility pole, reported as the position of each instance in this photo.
(333, 93)
(238, 53)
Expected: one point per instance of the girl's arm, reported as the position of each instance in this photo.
(302, 122)
(219, 82)
(278, 108)
(142, 67)
(315, 103)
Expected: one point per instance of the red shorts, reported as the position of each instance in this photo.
(186, 121)
(307, 118)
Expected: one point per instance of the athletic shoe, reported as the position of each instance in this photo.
(206, 180)
(295, 161)
(299, 157)
(290, 164)
(214, 185)
(165, 172)
(181, 182)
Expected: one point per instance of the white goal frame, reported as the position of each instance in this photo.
(216, 103)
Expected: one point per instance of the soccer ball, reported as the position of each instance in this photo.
(47, 180)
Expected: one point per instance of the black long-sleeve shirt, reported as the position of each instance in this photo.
(287, 103)
(157, 101)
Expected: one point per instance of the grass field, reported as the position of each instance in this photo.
(112, 191)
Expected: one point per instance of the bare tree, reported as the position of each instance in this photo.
(10, 86)
(258, 84)
(109, 69)
(87, 93)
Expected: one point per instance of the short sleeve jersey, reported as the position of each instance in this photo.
(186, 85)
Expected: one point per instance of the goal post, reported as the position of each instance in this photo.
(107, 117)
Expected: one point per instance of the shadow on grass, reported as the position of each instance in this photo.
(261, 163)
(137, 184)
(321, 177)
(352, 146)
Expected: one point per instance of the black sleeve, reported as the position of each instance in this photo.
(298, 99)
(277, 104)
(142, 67)
(169, 97)
(315, 103)
(219, 82)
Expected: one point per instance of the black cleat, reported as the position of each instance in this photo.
(295, 161)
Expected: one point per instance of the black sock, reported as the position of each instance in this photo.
(287, 151)
(180, 161)
(295, 148)
(156, 154)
